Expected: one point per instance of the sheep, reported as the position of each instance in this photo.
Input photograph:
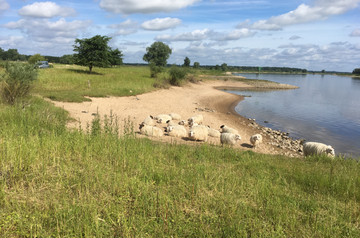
(171, 123)
(163, 118)
(214, 133)
(229, 138)
(176, 131)
(175, 116)
(196, 119)
(183, 122)
(150, 131)
(256, 140)
(316, 148)
(198, 133)
(226, 129)
(149, 120)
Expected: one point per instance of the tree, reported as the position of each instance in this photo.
(159, 53)
(186, 62)
(1, 53)
(224, 67)
(116, 57)
(356, 71)
(92, 52)
(217, 67)
(35, 58)
(10, 54)
(196, 65)
(67, 59)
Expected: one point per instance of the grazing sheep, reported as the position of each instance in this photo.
(163, 118)
(315, 148)
(256, 140)
(149, 120)
(226, 129)
(196, 119)
(229, 138)
(198, 133)
(150, 130)
(183, 123)
(175, 116)
(171, 123)
(176, 131)
(214, 133)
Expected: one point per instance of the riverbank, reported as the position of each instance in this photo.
(205, 98)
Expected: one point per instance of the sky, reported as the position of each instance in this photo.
(307, 34)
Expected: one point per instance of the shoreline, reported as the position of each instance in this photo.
(205, 98)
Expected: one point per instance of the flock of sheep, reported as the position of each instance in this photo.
(175, 127)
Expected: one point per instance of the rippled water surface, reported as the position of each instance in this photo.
(325, 109)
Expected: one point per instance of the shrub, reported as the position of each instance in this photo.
(154, 69)
(177, 74)
(16, 81)
(35, 58)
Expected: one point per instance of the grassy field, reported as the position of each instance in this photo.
(56, 182)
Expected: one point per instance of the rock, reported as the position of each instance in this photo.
(266, 122)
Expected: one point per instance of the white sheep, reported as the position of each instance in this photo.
(214, 133)
(150, 130)
(176, 131)
(196, 119)
(226, 129)
(183, 122)
(198, 133)
(171, 123)
(315, 148)
(256, 140)
(175, 116)
(163, 118)
(229, 138)
(149, 120)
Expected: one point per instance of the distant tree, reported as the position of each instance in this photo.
(92, 52)
(158, 52)
(11, 54)
(323, 71)
(186, 62)
(224, 67)
(116, 57)
(356, 71)
(154, 69)
(1, 53)
(217, 67)
(67, 59)
(196, 65)
(35, 58)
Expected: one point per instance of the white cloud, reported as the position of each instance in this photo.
(294, 37)
(133, 43)
(235, 35)
(188, 36)
(355, 32)
(123, 32)
(46, 10)
(160, 24)
(304, 13)
(3, 6)
(43, 29)
(127, 7)
(7, 42)
(128, 24)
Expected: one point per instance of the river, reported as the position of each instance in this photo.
(325, 109)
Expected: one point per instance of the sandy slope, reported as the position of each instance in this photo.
(182, 100)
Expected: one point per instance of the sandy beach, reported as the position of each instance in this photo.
(216, 106)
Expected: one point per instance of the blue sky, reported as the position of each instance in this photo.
(310, 34)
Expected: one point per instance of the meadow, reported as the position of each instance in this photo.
(104, 181)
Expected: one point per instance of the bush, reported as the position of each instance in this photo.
(154, 69)
(177, 74)
(36, 58)
(16, 81)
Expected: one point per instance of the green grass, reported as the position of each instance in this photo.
(71, 83)
(96, 183)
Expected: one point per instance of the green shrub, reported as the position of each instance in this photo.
(16, 81)
(154, 69)
(177, 75)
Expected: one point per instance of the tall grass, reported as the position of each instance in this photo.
(96, 183)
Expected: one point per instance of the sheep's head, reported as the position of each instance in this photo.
(330, 150)
(151, 117)
(222, 126)
(191, 133)
(141, 126)
(237, 137)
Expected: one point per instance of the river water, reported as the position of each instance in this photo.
(325, 109)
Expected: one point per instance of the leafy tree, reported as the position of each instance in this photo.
(224, 67)
(356, 71)
(35, 58)
(116, 57)
(196, 65)
(323, 71)
(67, 59)
(17, 81)
(217, 67)
(154, 69)
(92, 52)
(1, 53)
(158, 52)
(11, 54)
(177, 75)
(186, 62)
